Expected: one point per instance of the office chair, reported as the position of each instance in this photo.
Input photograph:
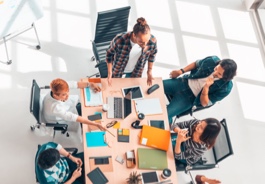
(189, 111)
(103, 70)
(36, 109)
(73, 151)
(211, 158)
(109, 24)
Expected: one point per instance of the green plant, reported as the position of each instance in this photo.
(134, 178)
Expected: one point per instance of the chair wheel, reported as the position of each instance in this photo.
(67, 134)
(38, 47)
(32, 128)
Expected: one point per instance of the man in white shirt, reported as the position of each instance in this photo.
(59, 106)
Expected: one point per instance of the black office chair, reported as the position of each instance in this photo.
(73, 151)
(103, 70)
(189, 111)
(109, 24)
(36, 110)
(211, 158)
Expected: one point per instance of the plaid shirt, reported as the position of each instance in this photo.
(119, 51)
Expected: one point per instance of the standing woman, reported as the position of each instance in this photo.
(128, 53)
(194, 138)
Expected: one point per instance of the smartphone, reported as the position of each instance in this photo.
(94, 117)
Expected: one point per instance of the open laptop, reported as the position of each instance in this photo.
(155, 137)
(119, 107)
(152, 159)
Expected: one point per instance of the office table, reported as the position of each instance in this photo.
(120, 172)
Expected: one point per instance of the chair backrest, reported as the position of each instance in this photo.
(103, 69)
(35, 100)
(223, 147)
(110, 23)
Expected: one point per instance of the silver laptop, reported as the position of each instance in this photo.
(119, 107)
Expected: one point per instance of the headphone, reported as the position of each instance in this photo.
(136, 125)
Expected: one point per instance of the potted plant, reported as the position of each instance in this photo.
(134, 178)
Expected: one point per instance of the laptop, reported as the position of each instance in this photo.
(152, 159)
(119, 108)
(155, 137)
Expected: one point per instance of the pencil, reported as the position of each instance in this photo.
(110, 133)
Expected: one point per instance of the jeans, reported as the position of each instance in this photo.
(128, 75)
(73, 167)
(182, 96)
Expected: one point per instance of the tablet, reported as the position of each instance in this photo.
(157, 123)
(133, 92)
(150, 177)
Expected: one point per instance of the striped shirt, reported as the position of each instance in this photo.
(192, 150)
(119, 51)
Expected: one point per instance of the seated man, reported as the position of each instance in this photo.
(59, 106)
(209, 81)
(51, 168)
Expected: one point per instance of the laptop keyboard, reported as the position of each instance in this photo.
(118, 107)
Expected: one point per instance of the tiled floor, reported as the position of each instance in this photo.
(186, 30)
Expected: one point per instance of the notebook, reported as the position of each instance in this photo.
(96, 176)
(119, 107)
(149, 106)
(152, 159)
(155, 137)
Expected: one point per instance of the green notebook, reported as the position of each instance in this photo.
(152, 159)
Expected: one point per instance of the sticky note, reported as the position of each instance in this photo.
(125, 131)
(117, 125)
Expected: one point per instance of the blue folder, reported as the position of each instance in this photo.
(94, 139)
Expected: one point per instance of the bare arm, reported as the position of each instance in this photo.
(149, 73)
(109, 73)
(204, 98)
(181, 138)
(92, 85)
(88, 122)
(176, 73)
(77, 173)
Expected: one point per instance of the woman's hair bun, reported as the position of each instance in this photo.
(141, 21)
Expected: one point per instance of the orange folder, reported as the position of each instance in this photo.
(155, 137)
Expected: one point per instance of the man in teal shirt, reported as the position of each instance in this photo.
(209, 81)
(51, 168)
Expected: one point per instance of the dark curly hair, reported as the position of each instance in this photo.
(229, 67)
(48, 158)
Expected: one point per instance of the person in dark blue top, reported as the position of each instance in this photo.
(209, 81)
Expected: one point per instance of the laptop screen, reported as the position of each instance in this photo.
(127, 107)
(134, 92)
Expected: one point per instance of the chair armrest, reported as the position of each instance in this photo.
(58, 127)
(73, 151)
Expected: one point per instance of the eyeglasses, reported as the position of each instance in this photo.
(111, 124)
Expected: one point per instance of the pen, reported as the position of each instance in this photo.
(110, 133)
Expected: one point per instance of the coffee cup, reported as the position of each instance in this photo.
(166, 173)
(105, 107)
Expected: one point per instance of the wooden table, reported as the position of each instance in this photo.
(121, 172)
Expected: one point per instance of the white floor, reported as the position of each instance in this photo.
(186, 30)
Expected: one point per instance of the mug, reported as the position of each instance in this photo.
(166, 173)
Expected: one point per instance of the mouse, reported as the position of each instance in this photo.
(152, 88)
